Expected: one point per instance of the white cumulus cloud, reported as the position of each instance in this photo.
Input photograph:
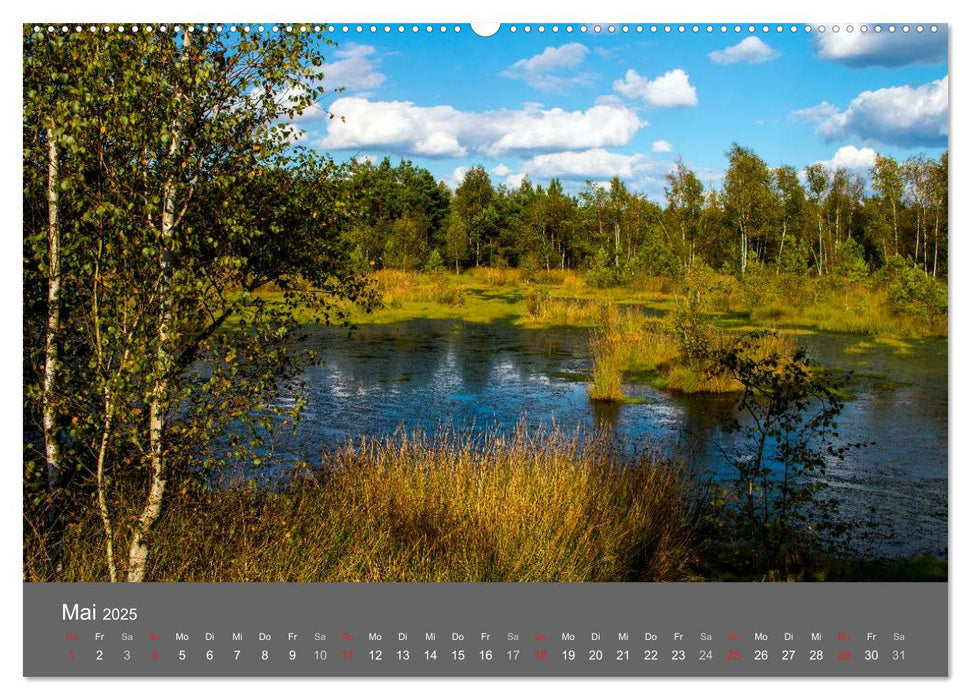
(501, 170)
(430, 131)
(514, 181)
(455, 179)
(748, 50)
(661, 147)
(552, 69)
(593, 163)
(813, 115)
(852, 158)
(447, 132)
(870, 48)
(908, 116)
(548, 129)
(673, 89)
(356, 68)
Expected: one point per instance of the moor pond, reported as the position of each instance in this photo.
(378, 379)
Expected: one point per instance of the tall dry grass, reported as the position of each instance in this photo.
(605, 354)
(397, 287)
(496, 277)
(610, 345)
(546, 310)
(521, 507)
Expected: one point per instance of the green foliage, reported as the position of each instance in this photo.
(656, 259)
(180, 197)
(848, 261)
(794, 257)
(434, 262)
(602, 272)
(781, 511)
(912, 292)
(394, 213)
(748, 199)
(405, 246)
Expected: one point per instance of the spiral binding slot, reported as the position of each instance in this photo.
(509, 29)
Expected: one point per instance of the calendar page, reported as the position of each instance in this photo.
(511, 350)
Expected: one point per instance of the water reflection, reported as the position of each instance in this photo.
(425, 374)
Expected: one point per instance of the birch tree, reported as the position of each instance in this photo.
(748, 198)
(791, 198)
(817, 180)
(887, 180)
(193, 200)
(686, 199)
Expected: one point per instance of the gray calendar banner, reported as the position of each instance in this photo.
(662, 629)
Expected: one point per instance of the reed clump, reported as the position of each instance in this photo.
(443, 507)
(677, 353)
(610, 351)
(543, 309)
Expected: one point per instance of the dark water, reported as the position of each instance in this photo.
(425, 374)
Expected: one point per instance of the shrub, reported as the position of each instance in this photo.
(529, 266)
(848, 261)
(434, 262)
(656, 259)
(443, 292)
(781, 511)
(911, 291)
(602, 272)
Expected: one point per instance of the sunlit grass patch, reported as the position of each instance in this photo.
(799, 304)
(416, 507)
(607, 368)
(543, 309)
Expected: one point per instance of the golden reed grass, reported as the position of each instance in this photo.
(446, 507)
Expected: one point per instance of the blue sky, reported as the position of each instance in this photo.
(586, 105)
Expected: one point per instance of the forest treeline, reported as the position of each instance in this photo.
(818, 220)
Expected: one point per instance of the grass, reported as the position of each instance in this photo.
(544, 309)
(607, 367)
(829, 304)
(478, 296)
(797, 304)
(626, 344)
(487, 295)
(525, 507)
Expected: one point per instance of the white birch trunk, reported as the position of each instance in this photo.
(102, 488)
(138, 552)
(52, 447)
(896, 245)
(616, 244)
(819, 260)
